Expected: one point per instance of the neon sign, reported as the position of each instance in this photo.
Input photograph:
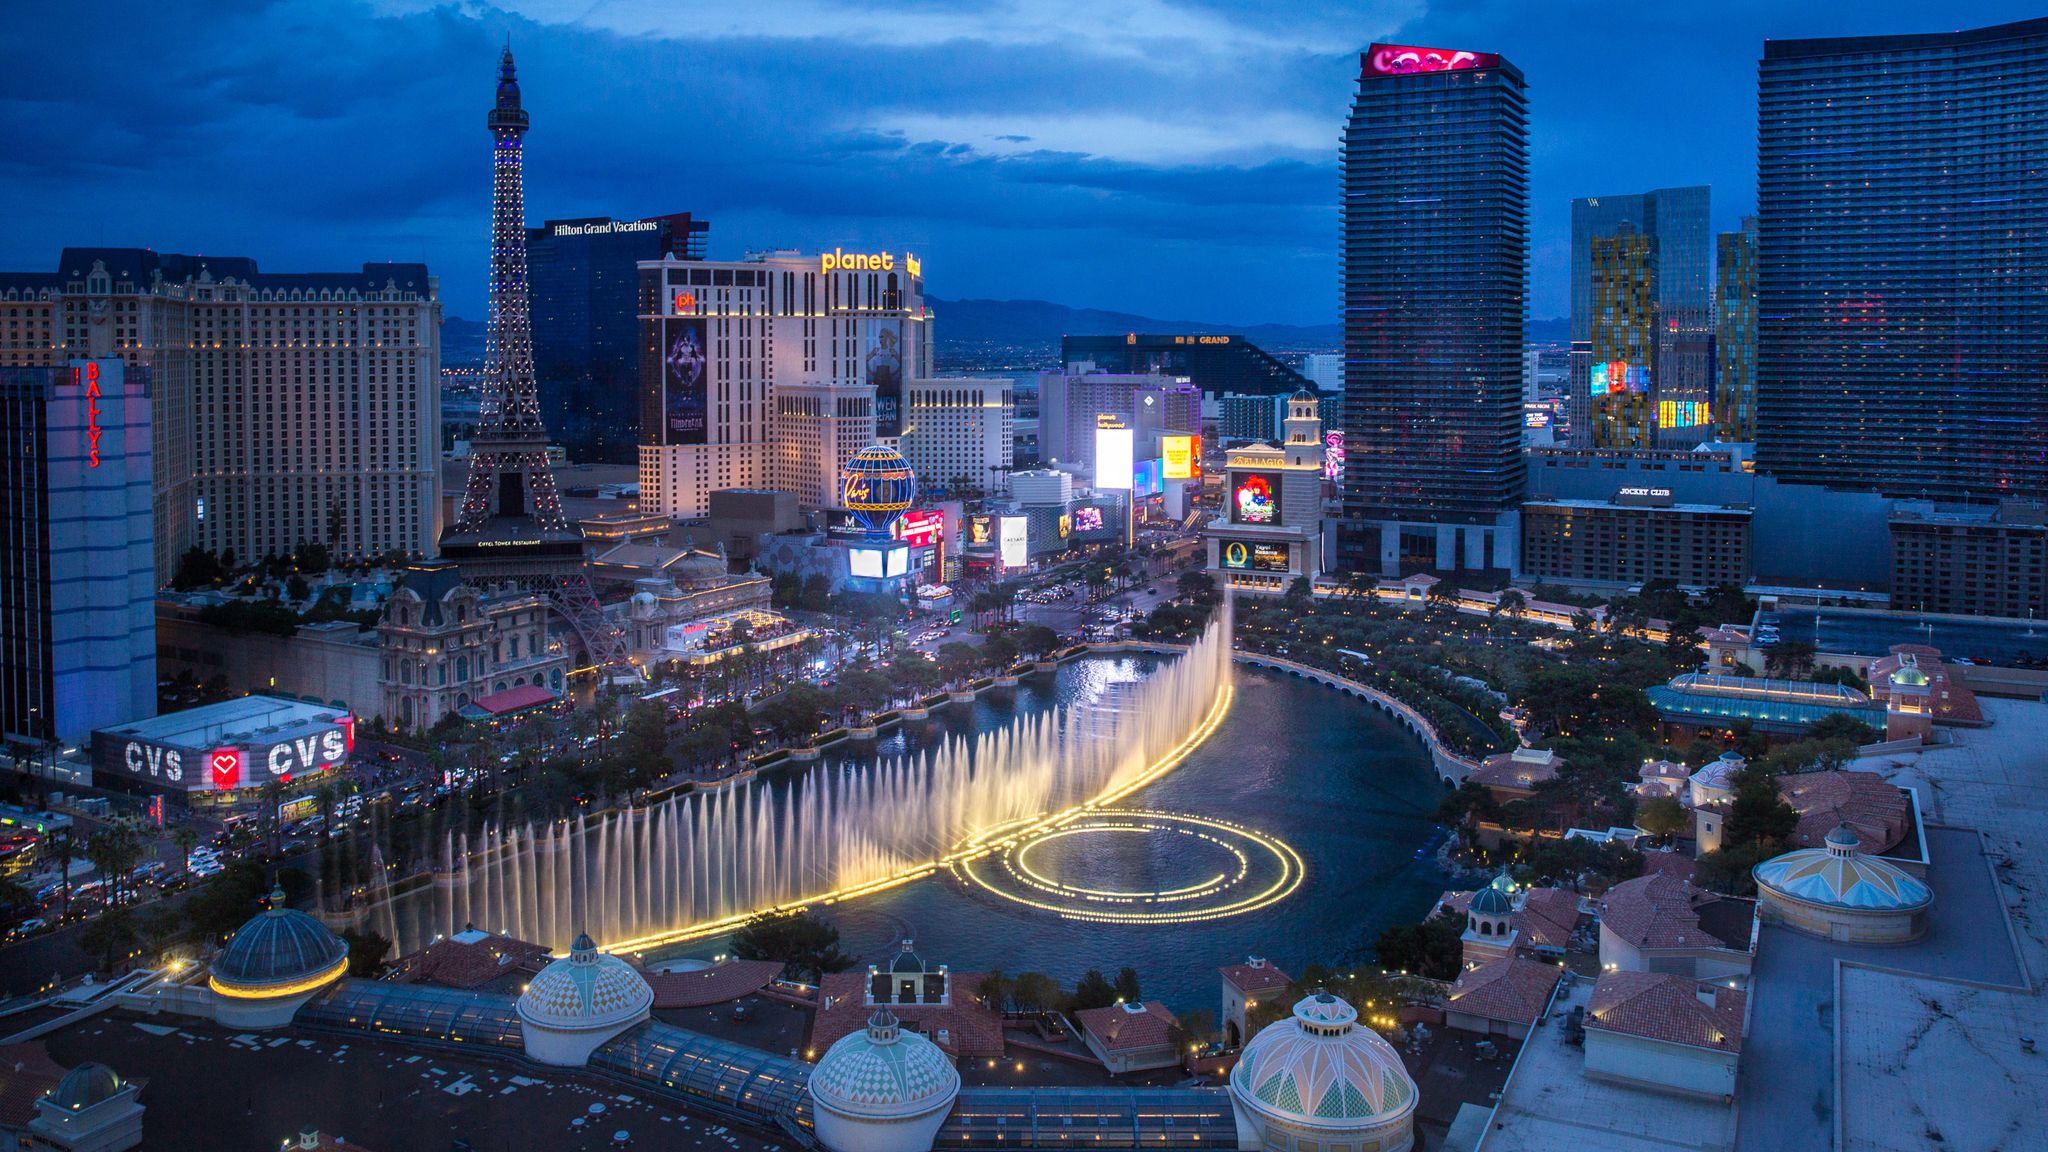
(685, 301)
(842, 261)
(90, 377)
(1405, 60)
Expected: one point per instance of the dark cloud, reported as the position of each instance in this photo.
(1152, 164)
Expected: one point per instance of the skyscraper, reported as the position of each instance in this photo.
(511, 529)
(77, 583)
(1902, 277)
(1735, 334)
(585, 276)
(1436, 268)
(1669, 253)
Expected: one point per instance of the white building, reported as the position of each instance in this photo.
(882, 1089)
(284, 405)
(579, 1002)
(1271, 529)
(1042, 488)
(724, 340)
(1326, 369)
(960, 433)
(1665, 1032)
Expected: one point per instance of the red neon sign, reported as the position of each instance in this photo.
(90, 377)
(225, 766)
(1405, 59)
(685, 301)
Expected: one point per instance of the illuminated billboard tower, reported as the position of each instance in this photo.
(1271, 529)
(1436, 267)
(877, 486)
(510, 529)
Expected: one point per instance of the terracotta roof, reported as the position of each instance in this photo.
(1667, 1007)
(1512, 989)
(715, 985)
(1677, 865)
(971, 1030)
(27, 1074)
(1660, 911)
(1865, 801)
(1945, 694)
(1248, 978)
(1119, 1029)
(1545, 919)
(455, 963)
(1661, 778)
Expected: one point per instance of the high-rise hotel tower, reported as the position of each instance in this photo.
(1902, 275)
(1436, 271)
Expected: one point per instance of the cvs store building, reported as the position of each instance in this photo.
(226, 754)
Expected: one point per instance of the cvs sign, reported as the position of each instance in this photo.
(309, 753)
(154, 760)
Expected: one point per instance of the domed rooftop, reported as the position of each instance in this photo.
(1497, 898)
(906, 961)
(884, 1073)
(1909, 676)
(1321, 1070)
(84, 1086)
(278, 953)
(876, 485)
(1840, 876)
(587, 990)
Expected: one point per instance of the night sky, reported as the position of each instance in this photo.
(1177, 159)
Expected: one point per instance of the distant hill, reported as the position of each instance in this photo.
(462, 341)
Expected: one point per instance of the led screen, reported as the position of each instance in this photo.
(1177, 457)
(1333, 454)
(1088, 518)
(1255, 498)
(981, 531)
(684, 380)
(864, 562)
(1015, 531)
(1146, 480)
(1113, 458)
(1245, 555)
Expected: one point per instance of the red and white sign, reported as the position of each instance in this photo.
(224, 768)
(922, 528)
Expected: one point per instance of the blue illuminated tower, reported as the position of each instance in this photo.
(511, 529)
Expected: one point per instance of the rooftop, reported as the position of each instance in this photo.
(1667, 1007)
(1128, 1027)
(1512, 989)
(1662, 911)
(1257, 976)
(247, 718)
(1877, 810)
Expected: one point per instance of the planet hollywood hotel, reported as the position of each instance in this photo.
(226, 755)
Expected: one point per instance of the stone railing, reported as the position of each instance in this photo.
(1450, 767)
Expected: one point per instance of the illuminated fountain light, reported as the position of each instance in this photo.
(1267, 871)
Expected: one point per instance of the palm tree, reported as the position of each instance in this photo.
(63, 850)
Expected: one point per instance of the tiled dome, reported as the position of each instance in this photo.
(587, 990)
(277, 950)
(85, 1086)
(1319, 1070)
(884, 1073)
(1840, 876)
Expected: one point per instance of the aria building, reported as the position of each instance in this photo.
(1642, 356)
(1735, 334)
(772, 371)
(287, 408)
(1436, 270)
(1902, 275)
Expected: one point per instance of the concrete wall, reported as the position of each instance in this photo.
(1466, 1022)
(1655, 1064)
(322, 661)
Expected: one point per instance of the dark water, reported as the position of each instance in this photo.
(1348, 789)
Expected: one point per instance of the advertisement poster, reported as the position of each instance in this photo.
(1016, 550)
(1113, 458)
(1255, 498)
(1088, 518)
(685, 395)
(981, 531)
(1333, 454)
(1176, 457)
(1244, 555)
(884, 368)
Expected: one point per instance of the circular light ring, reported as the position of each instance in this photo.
(1269, 870)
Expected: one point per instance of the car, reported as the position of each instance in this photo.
(32, 924)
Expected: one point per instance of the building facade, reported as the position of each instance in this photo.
(1971, 561)
(1735, 334)
(1436, 269)
(287, 408)
(1215, 363)
(1639, 535)
(1071, 406)
(959, 435)
(77, 572)
(1642, 286)
(1270, 532)
(584, 281)
(447, 643)
(1902, 266)
(718, 338)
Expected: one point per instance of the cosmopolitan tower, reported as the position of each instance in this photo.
(511, 530)
(1436, 270)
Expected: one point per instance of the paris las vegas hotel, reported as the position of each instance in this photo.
(771, 371)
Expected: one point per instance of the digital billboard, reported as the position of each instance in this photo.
(1333, 454)
(1015, 541)
(1683, 413)
(884, 365)
(1407, 59)
(1113, 458)
(1255, 498)
(1249, 556)
(1177, 457)
(981, 531)
(1066, 525)
(865, 562)
(921, 528)
(1088, 518)
(685, 405)
(1610, 377)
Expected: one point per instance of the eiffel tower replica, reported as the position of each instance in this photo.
(511, 530)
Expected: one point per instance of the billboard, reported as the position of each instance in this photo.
(1088, 518)
(981, 531)
(177, 767)
(1146, 479)
(921, 528)
(883, 361)
(1251, 556)
(1333, 454)
(876, 563)
(1015, 541)
(1255, 498)
(685, 380)
(1177, 457)
(1407, 59)
(1610, 377)
(1683, 413)
(1113, 458)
